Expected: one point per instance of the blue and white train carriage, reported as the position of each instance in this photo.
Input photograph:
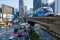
(43, 11)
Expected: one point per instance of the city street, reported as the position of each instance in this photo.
(29, 19)
(5, 33)
(10, 32)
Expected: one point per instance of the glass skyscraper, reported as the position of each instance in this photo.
(36, 4)
(21, 8)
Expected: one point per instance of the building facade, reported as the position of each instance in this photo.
(7, 9)
(25, 10)
(0, 14)
(29, 12)
(8, 13)
(21, 8)
(39, 3)
(16, 13)
(57, 7)
(52, 5)
(0, 10)
(34, 5)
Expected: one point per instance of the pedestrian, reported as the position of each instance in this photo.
(9, 26)
(19, 36)
(26, 37)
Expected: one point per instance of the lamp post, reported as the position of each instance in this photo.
(6, 28)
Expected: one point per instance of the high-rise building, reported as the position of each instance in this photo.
(52, 5)
(0, 14)
(30, 11)
(21, 8)
(57, 7)
(7, 9)
(39, 3)
(34, 5)
(15, 13)
(7, 14)
(0, 10)
(25, 10)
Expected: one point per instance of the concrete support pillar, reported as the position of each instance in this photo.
(57, 7)
(32, 24)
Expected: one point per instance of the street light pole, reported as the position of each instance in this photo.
(6, 27)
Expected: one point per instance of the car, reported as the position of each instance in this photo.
(19, 34)
(11, 38)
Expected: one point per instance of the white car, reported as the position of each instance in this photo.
(11, 38)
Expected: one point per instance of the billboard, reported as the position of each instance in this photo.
(4, 15)
(0, 19)
(8, 16)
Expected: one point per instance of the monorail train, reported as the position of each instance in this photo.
(43, 11)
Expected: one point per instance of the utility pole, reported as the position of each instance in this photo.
(6, 28)
(5, 20)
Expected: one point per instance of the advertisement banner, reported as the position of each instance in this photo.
(0, 19)
(4, 15)
(8, 16)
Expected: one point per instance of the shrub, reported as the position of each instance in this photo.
(34, 35)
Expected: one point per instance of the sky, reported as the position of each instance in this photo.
(50, 1)
(15, 3)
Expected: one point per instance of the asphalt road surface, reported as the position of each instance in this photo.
(5, 34)
(44, 35)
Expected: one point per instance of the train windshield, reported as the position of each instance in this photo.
(48, 9)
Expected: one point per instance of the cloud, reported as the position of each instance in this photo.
(50, 1)
(15, 3)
